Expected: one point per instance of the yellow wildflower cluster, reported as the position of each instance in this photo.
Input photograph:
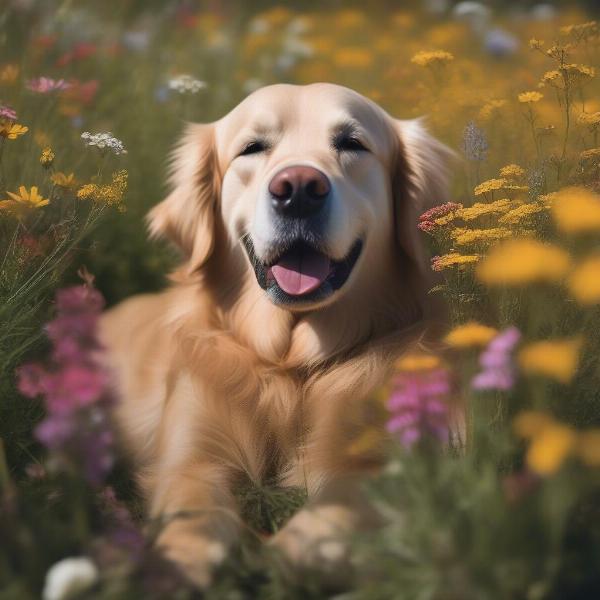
(556, 359)
(489, 109)
(576, 210)
(580, 30)
(480, 208)
(470, 334)
(590, 119)
(110, 194)
(464, 236)
(512, 171)
(63, 180)
(432, 58)
(520, 261)
(47, 157)
(521, 212)
(490, 185)
(552, 442)
(591, 154)
(22, 203)
(453, 259)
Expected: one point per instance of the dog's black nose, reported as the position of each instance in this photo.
(299, 191)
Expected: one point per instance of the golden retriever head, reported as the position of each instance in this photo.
(308, 196)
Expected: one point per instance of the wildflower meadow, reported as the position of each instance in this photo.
(490, 488)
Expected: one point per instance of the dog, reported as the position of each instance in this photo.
(303, 278)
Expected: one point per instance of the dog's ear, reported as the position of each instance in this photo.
(187, 215)
(420, 180)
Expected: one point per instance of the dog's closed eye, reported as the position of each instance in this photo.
(348, 142)
(254, 147)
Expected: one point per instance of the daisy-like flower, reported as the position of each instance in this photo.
(529, 97)
(186, 84)
(104, 141)
(64, 180)
(45, 85)
(12, 131)
(21, 203)
(6, 112)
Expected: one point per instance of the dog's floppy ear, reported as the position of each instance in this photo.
(187, 215)
(420, 180)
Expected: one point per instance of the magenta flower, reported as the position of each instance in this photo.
(498, 370)
(76, 429)
(6, 112)
(427, 219)
(45, 85)
(418, 407)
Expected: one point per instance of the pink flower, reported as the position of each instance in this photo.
(427, 219)
(6, 112)
(418, 408)
(31, 380)
(498, 371)
(44, 85)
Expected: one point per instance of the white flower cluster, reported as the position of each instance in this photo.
(186, 84)
(69, 577)
(104, 140)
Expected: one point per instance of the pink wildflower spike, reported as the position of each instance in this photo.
(45, 85)
(498, 371)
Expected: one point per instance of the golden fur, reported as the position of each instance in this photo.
(217, 384)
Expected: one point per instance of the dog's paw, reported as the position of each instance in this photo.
(196, 555)
(315, 539)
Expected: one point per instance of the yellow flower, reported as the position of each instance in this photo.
(20, 204)
(490, 108)
(481, 208)
(63, 180)
(535, 44)
(556, 359)
(550, 448)
(470, 334)
(590, 154)
(516, 215)
(47, 157)
(588, 447)
(591, 119)
(549, 77)
(418, 362)
(12, 130)
(583, 70)
(529, 97)
(584, 281)
(520, 261)
(512, 171)
(432, 58)
(551, 442)
(453, 259)
(110, 194)
(576, 210)
(9, 74)
(489, 186)
(464, 236)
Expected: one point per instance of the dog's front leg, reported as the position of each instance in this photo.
(198, 514)
(317, 536)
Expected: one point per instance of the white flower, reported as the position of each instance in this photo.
(69, 577)
(186, 84)
(104, 140)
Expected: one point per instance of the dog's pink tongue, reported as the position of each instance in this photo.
(301, 273)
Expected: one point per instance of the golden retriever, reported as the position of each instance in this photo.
(303, 278)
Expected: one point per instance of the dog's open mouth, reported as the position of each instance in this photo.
(302, 273)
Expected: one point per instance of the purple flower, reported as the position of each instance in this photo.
(6, 112)
(418, 408)
(475, 143)
(76, 429)
(498, 371)
(45, 85)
